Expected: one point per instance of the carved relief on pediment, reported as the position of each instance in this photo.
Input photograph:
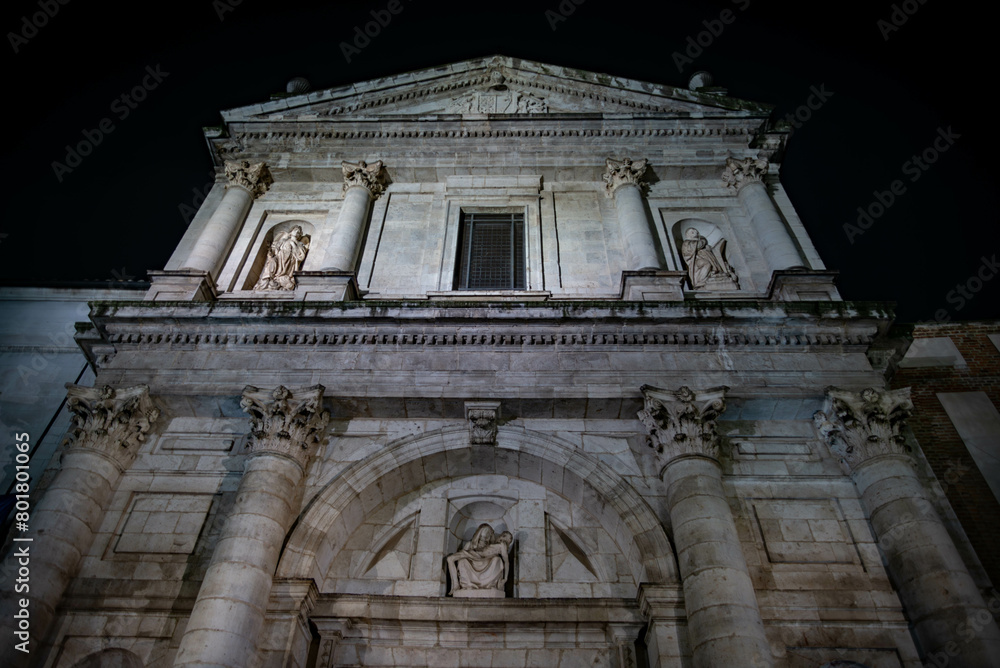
(498, 98)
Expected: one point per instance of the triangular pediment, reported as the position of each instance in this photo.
(497, 85)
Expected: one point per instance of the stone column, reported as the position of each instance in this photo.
(246, 183)
(108, 426)
(746, 177)
(865, 429)
(623, 182)
(724, 623)
(363, 184)
(229, 612)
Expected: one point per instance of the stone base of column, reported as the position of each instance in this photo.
(326, 286)
(183, 285)
(803, 285)
(652, 286)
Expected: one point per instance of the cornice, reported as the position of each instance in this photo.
(786, 327)
(416, 91)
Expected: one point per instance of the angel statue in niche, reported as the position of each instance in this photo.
(706, 265)
(481, 567)
(284, 257)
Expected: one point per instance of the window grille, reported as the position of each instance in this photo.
(491, 252)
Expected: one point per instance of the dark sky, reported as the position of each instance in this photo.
(893, 89)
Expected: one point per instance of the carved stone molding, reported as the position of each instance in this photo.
(369, 176)
(483, 417)
(682, 422)
(739, 173)
(861, 425)
(286, 422)
(255, 178)
(618, 173)
(111, 421)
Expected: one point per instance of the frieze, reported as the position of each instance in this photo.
(422, 338)
(278, 136)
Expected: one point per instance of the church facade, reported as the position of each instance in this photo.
(497, 364)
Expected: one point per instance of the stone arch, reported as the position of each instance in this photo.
(411, 463)
(114, 657)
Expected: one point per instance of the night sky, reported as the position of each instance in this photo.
(892, 89)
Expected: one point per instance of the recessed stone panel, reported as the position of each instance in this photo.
(803, 531)
(162, 523)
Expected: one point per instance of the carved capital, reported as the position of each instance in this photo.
(483, 417)
(618, 173)
(254, 178)
(682, 422)
(739, 173)
(111, 421)
(285, 422)
(861, 425)
(371, 177)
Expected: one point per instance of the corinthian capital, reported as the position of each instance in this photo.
(739, 173)
(254, 178)
(682, 422)
(861, 425)
(618, 173)
(285, 422)
(112, 422)
(369, 176)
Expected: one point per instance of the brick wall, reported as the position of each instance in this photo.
(973, 501)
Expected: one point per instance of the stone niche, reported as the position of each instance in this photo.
(559, 549)
(258, 259)
(717, 260)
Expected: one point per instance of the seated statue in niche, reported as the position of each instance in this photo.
(284, 257)
(706, 265)
(481, 567)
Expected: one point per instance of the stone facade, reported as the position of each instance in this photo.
(675, 451)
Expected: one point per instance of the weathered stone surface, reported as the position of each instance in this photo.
(318, 531)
